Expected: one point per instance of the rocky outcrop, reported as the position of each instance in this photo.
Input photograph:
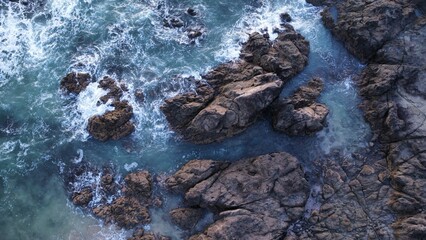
(300, 114)
(75, 82)
(234, 94)
(256, 198)
(365, 26)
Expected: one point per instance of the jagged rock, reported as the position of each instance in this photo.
(113, 124)
(365, 26)
(186, 218)
(411, 228)
(237, 92)
(126, 212)
(300, 114)
(83, 197)
(138, 184)
(255, 198)
(75, 82)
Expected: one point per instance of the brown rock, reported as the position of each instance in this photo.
(252, 196)
(75, 82)
(126, 212)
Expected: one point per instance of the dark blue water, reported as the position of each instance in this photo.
(42, 131)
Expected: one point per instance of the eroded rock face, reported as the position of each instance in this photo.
(139, 184)
(300, 114)
(186, 218)
(365, 26)
(75, 82)
(234, 94)
(255, 198)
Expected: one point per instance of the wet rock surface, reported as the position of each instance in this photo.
(231, 96)
(255, 198)
(300, 114)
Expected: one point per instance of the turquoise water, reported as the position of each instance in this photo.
(42, 131)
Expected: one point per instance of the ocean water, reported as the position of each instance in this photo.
(42, 131)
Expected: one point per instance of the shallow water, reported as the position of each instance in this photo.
(42, 131)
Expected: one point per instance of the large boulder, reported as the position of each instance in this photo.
(75, 82)
(300, 114)
(256, 198)
(235, 94)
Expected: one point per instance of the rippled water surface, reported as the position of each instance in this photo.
(43, 131)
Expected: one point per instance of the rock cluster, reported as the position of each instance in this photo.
(256, 198)
(300, 114)
(232, 95)
(123, 203)
(113, 124)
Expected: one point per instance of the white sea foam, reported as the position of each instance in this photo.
(86, 106)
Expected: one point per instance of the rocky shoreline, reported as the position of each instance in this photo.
(376, 194)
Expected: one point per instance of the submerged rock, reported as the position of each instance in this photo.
(254, 198)
(300, 114)
(75, 82)
(236, 93)
(186, 218)
(126, 212)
